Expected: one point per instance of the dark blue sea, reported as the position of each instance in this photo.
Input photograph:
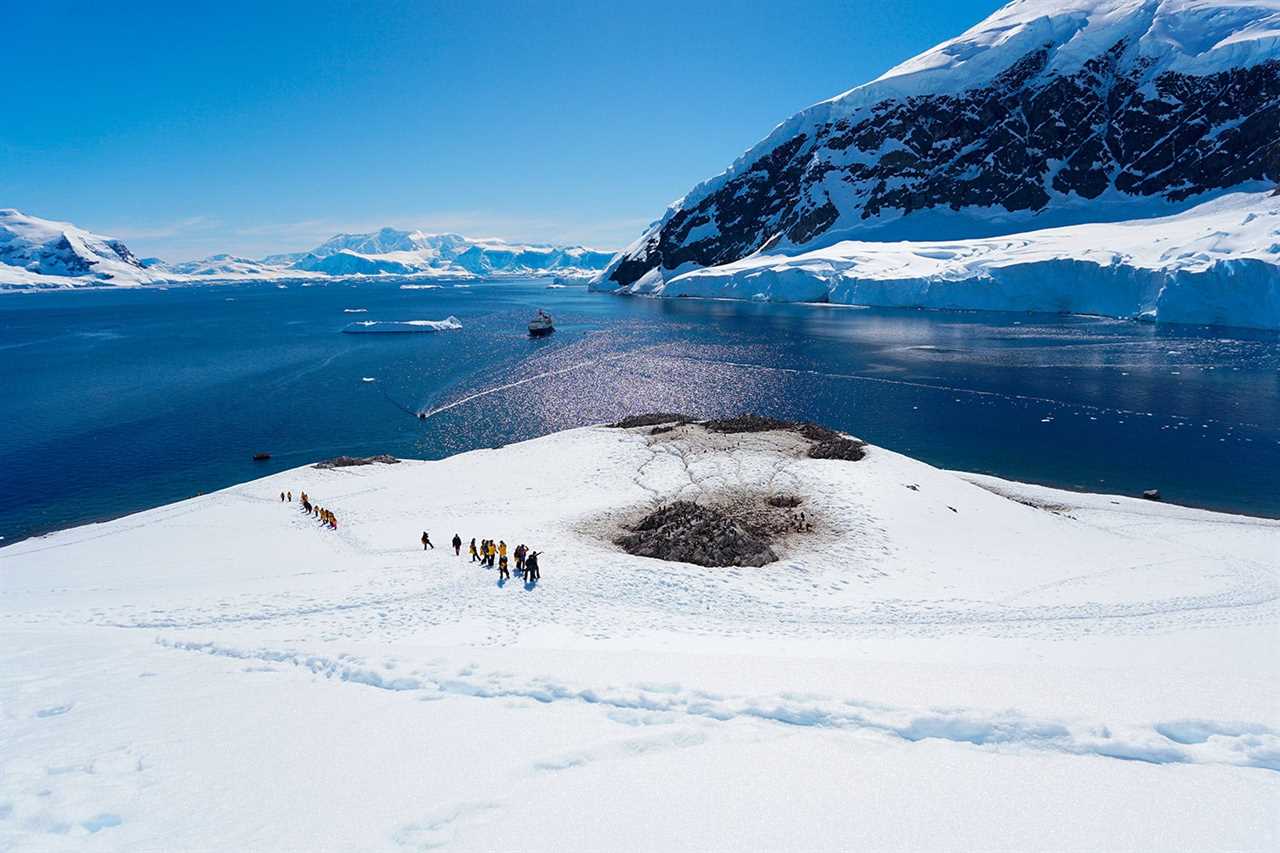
(115, 401)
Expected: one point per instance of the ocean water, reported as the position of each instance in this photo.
(115, 401)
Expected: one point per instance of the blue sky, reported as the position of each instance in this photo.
(262, 127)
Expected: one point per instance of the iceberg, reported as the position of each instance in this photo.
(402, 326)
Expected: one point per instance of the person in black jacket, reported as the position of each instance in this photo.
(426, 542)
(457, 545)
(531, 572)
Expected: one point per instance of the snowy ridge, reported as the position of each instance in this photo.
(1217, 263)
(1046, 114)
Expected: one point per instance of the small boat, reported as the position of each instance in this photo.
(541, 325)
(261, 457)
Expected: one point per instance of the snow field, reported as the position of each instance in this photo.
(937, 667)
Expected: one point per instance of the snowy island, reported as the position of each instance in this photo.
(924, 660)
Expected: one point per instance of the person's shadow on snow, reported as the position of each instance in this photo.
(502, 582)
(528, 585)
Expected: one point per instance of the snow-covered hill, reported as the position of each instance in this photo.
(1048, 113)
(1216, 263)
(38, 252)
(944, 662)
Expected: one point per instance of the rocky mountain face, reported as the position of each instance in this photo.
(1085, 107)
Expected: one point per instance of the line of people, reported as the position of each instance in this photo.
(326, 517)
(489, 552)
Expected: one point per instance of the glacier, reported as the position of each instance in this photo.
(1218, 263)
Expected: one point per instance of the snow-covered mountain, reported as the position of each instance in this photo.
(1048, 113)
(224, 265)
(40, 253)
(403, 252)
(36, 252)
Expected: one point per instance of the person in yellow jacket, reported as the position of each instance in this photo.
(493, 553)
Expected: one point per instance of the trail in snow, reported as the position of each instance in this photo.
(1235, 743)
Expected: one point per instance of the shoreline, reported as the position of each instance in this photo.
(968, 476)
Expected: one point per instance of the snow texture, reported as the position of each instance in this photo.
(942, 662)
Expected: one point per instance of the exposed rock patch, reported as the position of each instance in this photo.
(651, 419)
(739, 505)
(687, 532)
(352, 461)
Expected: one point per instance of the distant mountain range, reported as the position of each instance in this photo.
(40, 253)
(1049, 113)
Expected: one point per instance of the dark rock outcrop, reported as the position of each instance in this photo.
(352, 461)
(688, 532)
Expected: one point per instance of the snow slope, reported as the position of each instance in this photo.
(1046, 114)
(948, 662)
(1216, 263)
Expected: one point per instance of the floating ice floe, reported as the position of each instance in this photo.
(401, 326)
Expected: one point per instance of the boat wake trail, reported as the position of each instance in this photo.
(517, 383)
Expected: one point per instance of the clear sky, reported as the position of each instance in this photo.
(260, 127)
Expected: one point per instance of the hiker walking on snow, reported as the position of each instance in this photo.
(426, 542)
(457, 545)
(475, 555)
(282, 497)
(531, 572)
